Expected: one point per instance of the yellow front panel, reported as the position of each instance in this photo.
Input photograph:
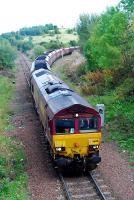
(76, 143)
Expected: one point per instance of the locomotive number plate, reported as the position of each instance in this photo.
(93, 141)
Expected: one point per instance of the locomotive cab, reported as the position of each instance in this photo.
(76, 139)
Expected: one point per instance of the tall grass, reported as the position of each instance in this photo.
(13, 179)
(6, 91)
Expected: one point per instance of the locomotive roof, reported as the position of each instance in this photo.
(56, 94)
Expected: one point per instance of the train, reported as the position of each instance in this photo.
(71, 126)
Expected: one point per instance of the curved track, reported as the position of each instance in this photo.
(25, 67)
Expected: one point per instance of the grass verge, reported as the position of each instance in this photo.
(13, 179)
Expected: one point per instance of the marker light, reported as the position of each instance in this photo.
(58, 148)
(95, 146)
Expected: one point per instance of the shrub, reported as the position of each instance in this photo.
(38, 50)
(24, 45)
(53, 44)
(126, 89)
(93, 83)
(73, 43)
(7, 54)
(70, 31)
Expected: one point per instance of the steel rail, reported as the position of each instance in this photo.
(65, 187)
(97, 188)
(24, 71)
(21, 55)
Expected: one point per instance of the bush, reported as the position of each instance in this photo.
(53, 44)
(38, 50)
(126, 89)
(93, 83)
(73, 43)
(24, 45)
(108, 46)
(70, 31)
(7, 54)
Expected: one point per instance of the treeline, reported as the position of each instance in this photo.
(31, 31)
(39, 30)
(17, 38)
(10, 42)
(23, 39)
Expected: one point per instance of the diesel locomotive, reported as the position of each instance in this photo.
(71, 125)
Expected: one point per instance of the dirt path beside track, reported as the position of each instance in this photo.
(43, 183)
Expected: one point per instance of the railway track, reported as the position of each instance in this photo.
(85, 187)
(25, 67)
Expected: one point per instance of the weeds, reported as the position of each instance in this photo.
(119, 120)
(13, 180)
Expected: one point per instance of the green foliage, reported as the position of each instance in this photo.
(56, 29)
(13, 180)
(104, 48)
(70, 31)
(12, 37)
(73, 43)
(127, 5)
(24, 45)
(119, 119)
(38, 30)
(53, 44)
(84, 27)
(38, 50)
(7, 54)
(126, 89)
(6, 91)
(93, 83)
(97, 82)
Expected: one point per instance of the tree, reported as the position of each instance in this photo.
(56, 30)
(7, 54)
(84, 27)
(127, 6)
(106, 46)
(38, 50)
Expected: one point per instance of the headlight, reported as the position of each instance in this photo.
(60, 148)
(93, 147)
